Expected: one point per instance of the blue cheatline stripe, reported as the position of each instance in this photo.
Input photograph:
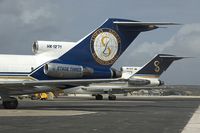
(14, 74)
(13, 77)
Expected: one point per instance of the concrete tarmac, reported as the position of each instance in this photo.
(85, 115)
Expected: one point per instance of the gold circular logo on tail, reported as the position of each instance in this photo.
(157, 66)
(105, 46)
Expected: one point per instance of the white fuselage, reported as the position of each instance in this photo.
(19, 67)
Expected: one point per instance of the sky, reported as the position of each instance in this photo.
(24, 21)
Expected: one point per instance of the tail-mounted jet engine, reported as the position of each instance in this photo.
(47, 46)
(143, 82)
(58, 70)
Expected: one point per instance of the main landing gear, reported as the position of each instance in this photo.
(9, 103)
(111, 97)
(100, 97)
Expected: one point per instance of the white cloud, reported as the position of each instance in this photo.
(185, 42)
(30, 17)
(26, 12)
(31, 11)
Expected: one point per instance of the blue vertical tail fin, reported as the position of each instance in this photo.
(157, 65)
(101, 48)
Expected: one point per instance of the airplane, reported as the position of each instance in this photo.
(133, 78)
(60, 65)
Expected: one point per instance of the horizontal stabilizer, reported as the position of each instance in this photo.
(141, 26)
(126, 23)
(173, 56)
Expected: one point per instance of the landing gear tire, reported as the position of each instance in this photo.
(99, 97)
(111, 97)
(10, 103)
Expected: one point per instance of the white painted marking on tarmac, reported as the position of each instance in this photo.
(43, 112)
(193, 126)
(104, 101)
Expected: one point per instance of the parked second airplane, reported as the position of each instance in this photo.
(61, 65)
(133, 78)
